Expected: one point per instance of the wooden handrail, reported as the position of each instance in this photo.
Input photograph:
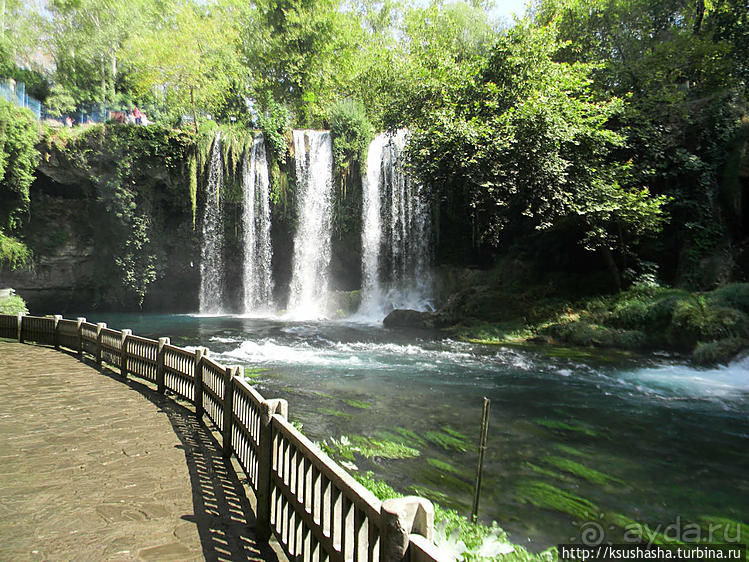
(280, 451)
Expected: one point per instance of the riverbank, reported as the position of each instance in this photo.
(707, 327)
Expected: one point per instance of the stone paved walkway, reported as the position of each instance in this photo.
(96, 468)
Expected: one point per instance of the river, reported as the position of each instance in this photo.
(578, 440)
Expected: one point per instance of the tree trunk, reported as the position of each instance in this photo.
(699, 16)
(612, 267)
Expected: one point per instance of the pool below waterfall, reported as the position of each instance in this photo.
(579, 441)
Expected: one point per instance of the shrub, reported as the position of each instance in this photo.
(351, 132)
(19, 132)
(13, 253)
(275, 121)
(735, 295)
(13, 305)
(721, 351)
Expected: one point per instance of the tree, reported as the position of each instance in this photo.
(188, 56)
(527, 146)
(303, 53)
(85, 37)
(681, 68)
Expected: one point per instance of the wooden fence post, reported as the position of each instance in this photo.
(56, 332)
(268, 408)
(160, 384)
(79, 331)
(19, 327)
(123, 352)
(199, 354)
(231, 372)
(401, 517)
(99, 327)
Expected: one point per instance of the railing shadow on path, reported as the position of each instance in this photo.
(221, 509)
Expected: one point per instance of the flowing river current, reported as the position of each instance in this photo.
(579, 441)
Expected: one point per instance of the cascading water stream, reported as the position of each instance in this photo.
(314, 171)
(258, 283)
(395, 233)
(212, 250)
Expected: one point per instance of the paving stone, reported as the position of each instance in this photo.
(96, 468)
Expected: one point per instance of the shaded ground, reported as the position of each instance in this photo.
(93, 467)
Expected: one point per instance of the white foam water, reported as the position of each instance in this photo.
(314, 170)
(258, 254)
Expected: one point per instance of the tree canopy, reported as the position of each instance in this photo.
(619, 125)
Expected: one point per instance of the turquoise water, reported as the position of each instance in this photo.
(575, 439)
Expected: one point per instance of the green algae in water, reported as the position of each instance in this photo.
(554, 424)
(546, 496)
(356, 403)
(370, 447)
(332, 412)
(254, 372)
(430, 494)
(411, 436)
(446, 441)
(569, 450)
(548, 473)
(591, 475)
(724, 530)
(442, 465)
(451, 431)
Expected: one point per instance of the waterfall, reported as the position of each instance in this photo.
(395, 234)
(212, 250)
(258, 284)
(372, 297)
(314, 171)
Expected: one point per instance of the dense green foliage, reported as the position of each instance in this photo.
(19, 132)
(13, 253)
(351, 132)
(13, 305)
(119, 167)
(607, 133)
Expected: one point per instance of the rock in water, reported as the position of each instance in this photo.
(406, 318)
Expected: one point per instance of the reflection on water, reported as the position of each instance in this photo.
(572, 435)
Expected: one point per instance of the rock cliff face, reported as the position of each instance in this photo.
(79, 234)
(63, 276)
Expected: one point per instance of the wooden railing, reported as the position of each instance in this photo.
(316, 510)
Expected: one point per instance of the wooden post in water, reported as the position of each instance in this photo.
(228, 408)
(268, 408)
(19, 326)
(79, 331)
(199, 354)
(480, 466)
(123, 352)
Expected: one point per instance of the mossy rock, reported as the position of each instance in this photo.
(596, 335)
(700, 320)
(735, 295)
(720, 351)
